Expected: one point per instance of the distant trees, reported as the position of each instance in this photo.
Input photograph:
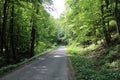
(25, 28)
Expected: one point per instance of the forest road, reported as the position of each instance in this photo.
(53, 66)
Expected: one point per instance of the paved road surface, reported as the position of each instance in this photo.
(54, 66)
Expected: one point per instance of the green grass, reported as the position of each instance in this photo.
(88, 68)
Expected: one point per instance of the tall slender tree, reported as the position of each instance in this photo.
(107, 21)
(117, 16)
(33, 32)
(12, 31)
(105, 32)
(4, 47)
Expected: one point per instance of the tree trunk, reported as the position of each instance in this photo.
(33, 35)
(0, 24)
(108, 26)
(11, 32)
(4, 47)
(104, 27)
(32, 41)
(116, 17)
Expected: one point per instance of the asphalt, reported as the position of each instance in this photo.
(53, 66)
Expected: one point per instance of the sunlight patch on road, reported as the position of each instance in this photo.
(62, 49)
(57, 56)
(42, 58)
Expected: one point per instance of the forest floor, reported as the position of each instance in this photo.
(53, 66)
(96, 62)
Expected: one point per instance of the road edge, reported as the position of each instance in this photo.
(71, 69)
(24, 63)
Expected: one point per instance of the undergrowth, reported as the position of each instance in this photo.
(95, 62)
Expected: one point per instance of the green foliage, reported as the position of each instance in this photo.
(41, 47)
(23, 16)
(111, 54)
(80, 50)
(111, 65)
(112, 23)
(85, 22)
(86, 69)
(79, 23)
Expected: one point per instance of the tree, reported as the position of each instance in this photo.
(4, 46)
(117, 16)
(107, 38)
(27, 29)
(88, 21)
(12, 31)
